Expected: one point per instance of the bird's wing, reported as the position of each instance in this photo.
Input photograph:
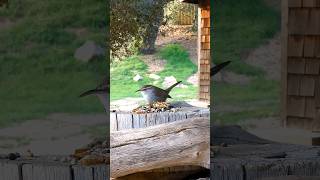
(218, 67)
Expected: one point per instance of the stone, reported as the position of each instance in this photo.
(168, 81)
(88, 51)
(154, 76)
(137, 78)
(183, 86)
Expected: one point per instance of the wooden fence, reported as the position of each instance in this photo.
(17, 170)
(184, 14)
(187, 17)
(121, 121)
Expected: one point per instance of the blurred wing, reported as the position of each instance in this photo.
(218, 67)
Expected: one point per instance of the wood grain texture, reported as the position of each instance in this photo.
(46, 172)
(248, 157)
(82, 173)
(122, 121)
(179, 143)
(10, 170)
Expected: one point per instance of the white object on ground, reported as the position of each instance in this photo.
(137, 77)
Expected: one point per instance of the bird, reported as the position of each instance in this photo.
(214, 70)
(152, 94)
(101, 91)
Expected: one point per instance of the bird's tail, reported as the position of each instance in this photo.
(90, 92)
(218, 67)
(174, 85)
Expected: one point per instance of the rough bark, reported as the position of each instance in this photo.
(180, 143)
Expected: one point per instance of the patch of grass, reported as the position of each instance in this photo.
(38, 73)
(239, 27)
(178, 64)
(122, 73)
(256, 100)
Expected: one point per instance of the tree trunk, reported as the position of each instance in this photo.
(152, 28)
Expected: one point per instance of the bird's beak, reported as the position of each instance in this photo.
(138, 90)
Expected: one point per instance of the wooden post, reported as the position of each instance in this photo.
(204, 50)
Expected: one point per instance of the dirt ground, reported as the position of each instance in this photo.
(49, 135)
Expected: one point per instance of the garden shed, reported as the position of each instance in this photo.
(203, 47)
(301, 64)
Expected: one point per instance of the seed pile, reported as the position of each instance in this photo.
(153, 108)
(94, 153)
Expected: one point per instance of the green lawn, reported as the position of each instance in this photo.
(178, 64)
(239, 27)
(38, 73)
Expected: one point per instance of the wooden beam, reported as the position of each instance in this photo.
(181, 143)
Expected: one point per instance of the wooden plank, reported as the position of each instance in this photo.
(294, 3)
(312, 66)
(124, 121)
(101, 172)
(296, 106)
(311, 3)
(136, 121)
(113, 122)
(205, 31)
(205, 22)
(298, 21)
(151, 119)
(205, 45)
(296, 65)
(226, 169)
(142, 120)
(307, 86)
(46, 172)
(172, 117)
(305, 167)
(309, 46)
(10, 170)
(191, 114)
(162, 118)
(314, 22)
(295, 46)
(264, 168)
(293, 84)
(310, 110)
(82, 172)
